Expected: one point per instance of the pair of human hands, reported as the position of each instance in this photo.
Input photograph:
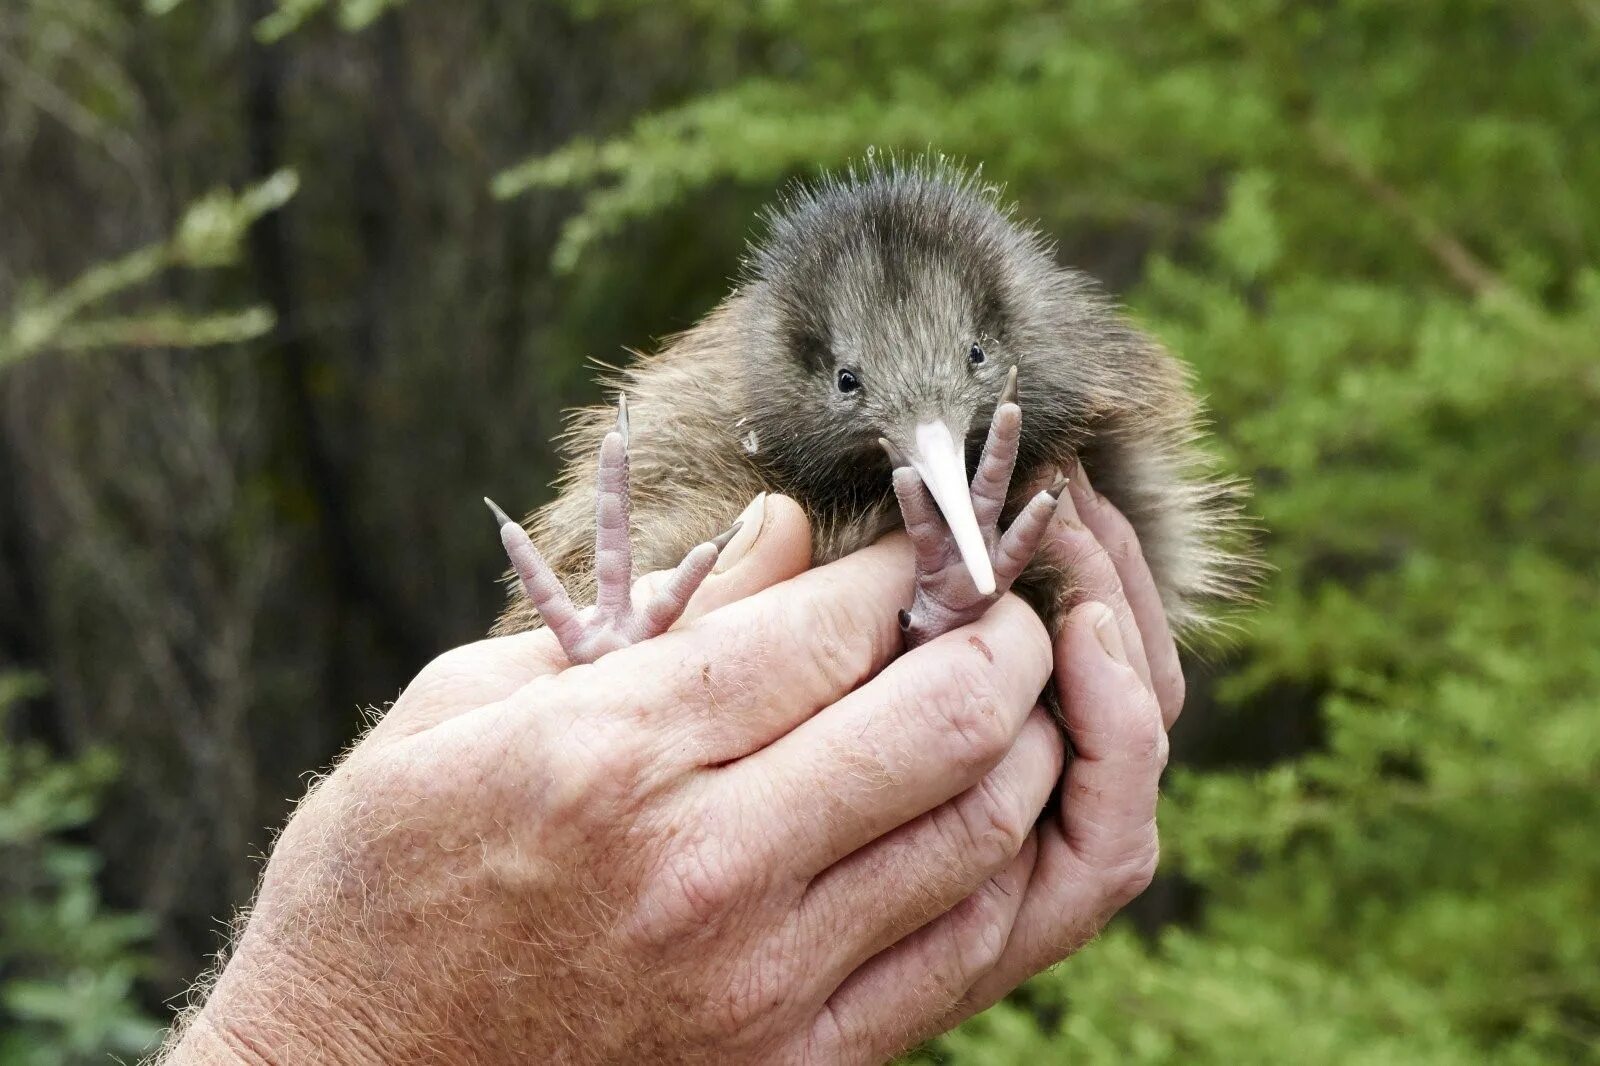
(760, 836)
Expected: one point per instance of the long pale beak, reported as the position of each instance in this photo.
(941, 463)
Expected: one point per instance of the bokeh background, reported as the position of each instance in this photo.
(285, 287)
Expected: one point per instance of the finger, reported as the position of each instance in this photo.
(773, 544)
(903, 996)
(743, 675)
(928, 727)
(1071, 545)
(921, 870)
(1101, 849)
(1116, 534)
(1118, 736)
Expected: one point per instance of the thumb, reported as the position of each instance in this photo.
(772, 545)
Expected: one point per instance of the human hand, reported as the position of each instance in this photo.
(1121, 687)
(756, 837)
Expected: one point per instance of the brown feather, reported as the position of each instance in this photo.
(1092, 386)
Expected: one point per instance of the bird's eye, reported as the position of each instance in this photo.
(848, 382)
(975, 354)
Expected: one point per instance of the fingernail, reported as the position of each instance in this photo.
(750, 521)
(1109, 635)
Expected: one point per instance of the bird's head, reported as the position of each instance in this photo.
(895, 305)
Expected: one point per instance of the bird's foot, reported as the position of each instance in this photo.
(945, 595)
(614, 621)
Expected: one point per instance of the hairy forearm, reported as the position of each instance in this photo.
(266, 1010)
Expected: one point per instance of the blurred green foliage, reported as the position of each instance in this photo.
(1373, 230)
(210, 235)
(67, 964)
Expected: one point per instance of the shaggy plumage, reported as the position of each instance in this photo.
(913, 280)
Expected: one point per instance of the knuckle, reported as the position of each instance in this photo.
(825, 1043)
(830, 636)
(1139, 734)
(457, 680)
(1161, 752)
(1116, 533)
(1125, 880)
(745, 1004)
(448, 664)
(979, 930)
(488, 664)
(697, 887)
(1151, 744)
(599, 771)
(451, 679)
(1124, 546)
(1174, 687)
(992, 828)
(760, 997)
(968, 705)
(1100, 572)
(1095, 577)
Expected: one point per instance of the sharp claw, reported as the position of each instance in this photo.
(500, 517)
(905, 619)
(622, 416)
(721, 540)
(1084, 484)
(1057, 487)
(1008, 394)
(897, 458)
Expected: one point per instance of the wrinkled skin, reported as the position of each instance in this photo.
(758, 837)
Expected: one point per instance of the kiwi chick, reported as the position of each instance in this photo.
(883, 323)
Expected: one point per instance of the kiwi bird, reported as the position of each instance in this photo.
(892, 329)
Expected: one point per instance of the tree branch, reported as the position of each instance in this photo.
(1464, 268)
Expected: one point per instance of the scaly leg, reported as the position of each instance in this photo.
(613, 622)
(945, 595)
